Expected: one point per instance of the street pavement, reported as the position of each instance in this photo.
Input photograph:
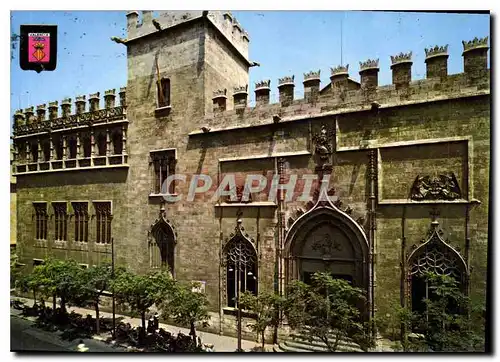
(220, 343)
(25, 337)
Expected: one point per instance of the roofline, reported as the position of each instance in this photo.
(189, 22)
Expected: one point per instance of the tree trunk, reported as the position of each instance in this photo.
(34, 296)
(193, 333)
(96, 304)
(63, 306)
(54, 303)
(263, 340)
(143, 317)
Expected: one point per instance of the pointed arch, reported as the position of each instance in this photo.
(326, 238)
(239, 266)
(162, 244)
(436, 256)
(325, 208)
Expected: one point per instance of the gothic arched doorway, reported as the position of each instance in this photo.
(326, 239)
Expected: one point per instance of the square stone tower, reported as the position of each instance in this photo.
(176, 61)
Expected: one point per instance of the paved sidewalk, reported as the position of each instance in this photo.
(220, 343)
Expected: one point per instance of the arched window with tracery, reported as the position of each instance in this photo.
(162, 246)
(240, 267)
(437, 257)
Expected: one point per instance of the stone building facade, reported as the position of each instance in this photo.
(408, 166)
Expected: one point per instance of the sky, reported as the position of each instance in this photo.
(283, 42)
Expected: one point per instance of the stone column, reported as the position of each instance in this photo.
(64, 147)
(92, 143)
(108, 142)
(124, 139)
(51, 145)
(28, 152)
(39, 149)
(78, 151)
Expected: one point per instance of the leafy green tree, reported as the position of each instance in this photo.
(94, 280)
(141, 292)
(446, 323)
(266, 306)
(327, 309)
(186, 306)
(57, 278)
(27, 284)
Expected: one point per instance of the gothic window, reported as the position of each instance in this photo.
(72, 148)
(101, 144)
(34, 151)
(87, 146)
(241, 268)
(46, 151)
(117, 142)
(60, 221)
(81, 221)
(164, 93)
(162, 247)
(439, 258)
(58, 146)
(21, 151)
(103, 222)
(40, 220)
(162, 165)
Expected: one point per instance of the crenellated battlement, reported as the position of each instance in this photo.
(340, 69)
(224, 21)
(368, 64)
(438, 85)
(263, 84)
(476, 43)
(27, 123)
(436, 51)
(401, 58)
(312, 75)
(287, 80)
